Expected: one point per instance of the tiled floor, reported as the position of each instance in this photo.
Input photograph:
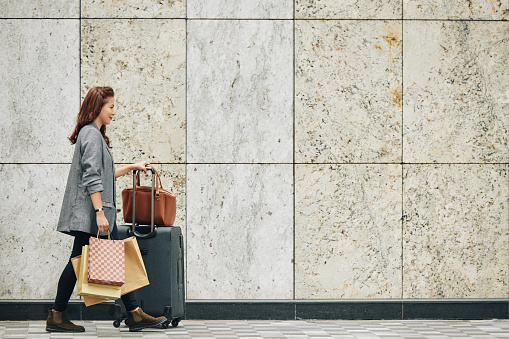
(277, 329)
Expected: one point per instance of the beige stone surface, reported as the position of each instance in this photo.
(455, 231)
(349, 9)
(240, 231)
(39, 9)
(456, 92)
(144, 61)
(240, 9)
(133, 8)
(32, 250)
(456, 9)
(39, 91)
(240, 84)
(348, 91)
(347, 231)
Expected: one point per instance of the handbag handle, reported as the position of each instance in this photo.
(153, 231)
(159, 183)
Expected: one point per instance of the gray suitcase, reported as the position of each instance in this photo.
(162, 249)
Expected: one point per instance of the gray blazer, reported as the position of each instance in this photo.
(92, 170)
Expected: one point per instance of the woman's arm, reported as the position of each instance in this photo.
(102, 222)
(126, 169)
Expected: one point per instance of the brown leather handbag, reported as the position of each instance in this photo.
(165, 202)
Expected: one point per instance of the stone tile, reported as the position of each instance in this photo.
(240, 9)
(347, 231)
(240, 232)
(240, 88)
(144, 62)
(456, 9)
(456, 92)
(360, 9)
(133, 9)
(32, 250)
(39, 97)
(348, 91)
(39, 9)
(455, 231)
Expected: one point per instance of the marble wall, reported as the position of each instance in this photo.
(319, 149)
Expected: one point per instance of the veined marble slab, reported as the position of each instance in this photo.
(455, 231)
(348, 91)
(240, 232)
(240, 86)
(40, 9)
(240, 9)
(33, 253)
(133, 8)
(349, 9)
(39, 95)
(456, 92)
(456, 9)
(144, 62)
(347, 231)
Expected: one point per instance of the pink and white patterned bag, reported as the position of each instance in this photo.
(106, 262)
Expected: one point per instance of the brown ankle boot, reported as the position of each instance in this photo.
(139, 320)
(61, 325)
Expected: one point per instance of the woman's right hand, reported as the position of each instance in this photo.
(102, 222)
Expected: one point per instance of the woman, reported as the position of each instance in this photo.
(89, 203)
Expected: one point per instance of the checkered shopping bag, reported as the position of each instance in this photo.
(106, 262)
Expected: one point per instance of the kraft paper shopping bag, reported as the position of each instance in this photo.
(89, 301)
(94, 290)
(135, 272)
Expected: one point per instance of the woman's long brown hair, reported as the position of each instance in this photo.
(90, 109)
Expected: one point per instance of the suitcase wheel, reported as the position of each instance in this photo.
(175, 322)
(126, 322)
(116, 323)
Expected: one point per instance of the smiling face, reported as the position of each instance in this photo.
(107, 112)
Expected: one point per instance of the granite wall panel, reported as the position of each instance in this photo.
(133, 8)
(455, 231)
(144, 61)
(347, 231)
(456, 9)
(33, 254)
(359, 9)
(239, 91)
(456, 92)
(39, 9)
(39, 94)
(348, 91)
(240, 232)
(240, 9)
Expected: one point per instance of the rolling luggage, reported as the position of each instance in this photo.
(162, 249)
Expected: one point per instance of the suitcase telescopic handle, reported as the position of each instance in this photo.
(153, 231)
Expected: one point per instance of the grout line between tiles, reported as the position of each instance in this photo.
(185, 162)
(293, 137)
(262, 19)
(402, 156)
(272, 163)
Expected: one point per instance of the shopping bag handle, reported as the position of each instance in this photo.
(109, 235)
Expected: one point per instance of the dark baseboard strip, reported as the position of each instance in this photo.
(398, 309)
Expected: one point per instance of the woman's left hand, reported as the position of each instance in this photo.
(142, 166)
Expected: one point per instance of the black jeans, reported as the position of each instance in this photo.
(68, 278)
